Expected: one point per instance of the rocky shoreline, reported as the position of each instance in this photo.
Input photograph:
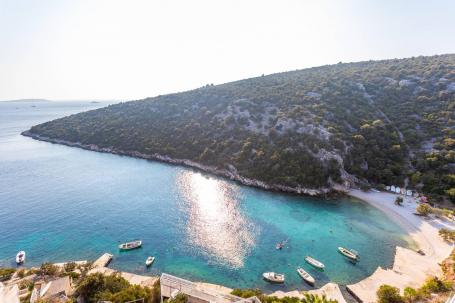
(230, 174)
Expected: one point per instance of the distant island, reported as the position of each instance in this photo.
(373, 123)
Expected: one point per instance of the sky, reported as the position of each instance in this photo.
(128, 50)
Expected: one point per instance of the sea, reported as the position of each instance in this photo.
(61, 203)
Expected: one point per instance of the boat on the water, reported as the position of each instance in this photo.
(130, 245)
(315, 262)
(350, 253)
(281, 244)
(305, 276)
(20, 257)
(149, 261)
(273, 277)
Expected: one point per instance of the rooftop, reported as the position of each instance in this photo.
(171, 286)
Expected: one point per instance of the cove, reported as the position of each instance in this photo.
(60, 203)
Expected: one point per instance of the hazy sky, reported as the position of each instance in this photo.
(69, 49)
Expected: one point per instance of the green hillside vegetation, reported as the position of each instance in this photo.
(308, 298)
(376, 122)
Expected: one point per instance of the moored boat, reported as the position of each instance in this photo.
(351, 254)
(20, 257)
(130, 245)
(315, 262)
(281, 244)
(273, 277)
(305, 276)
(149, 261)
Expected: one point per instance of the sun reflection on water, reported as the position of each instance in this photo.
(216, 225)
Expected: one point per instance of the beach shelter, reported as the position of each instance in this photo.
(392, 188)
(397, 190)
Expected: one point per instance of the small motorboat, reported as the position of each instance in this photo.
(281, 244)
(350, 253)
(20, 257)
(149, 261)
(305, 276)
(130, 245)
(314, 262)
(273, 277)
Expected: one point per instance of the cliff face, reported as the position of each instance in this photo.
(376, 121)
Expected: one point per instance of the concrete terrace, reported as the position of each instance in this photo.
(171, 286)
(99, 266)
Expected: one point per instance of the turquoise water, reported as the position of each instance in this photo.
(59, 203)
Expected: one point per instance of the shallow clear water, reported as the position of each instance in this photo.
(60, 203)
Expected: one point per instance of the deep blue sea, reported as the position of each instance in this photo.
(60, 203)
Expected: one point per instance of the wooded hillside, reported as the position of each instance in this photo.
(381, 122)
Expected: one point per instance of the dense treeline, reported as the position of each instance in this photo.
(381, 122)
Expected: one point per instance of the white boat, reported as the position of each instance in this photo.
(149, 261)
(351, 254)
(305, 276)
(273, 277)
(130, 245)
(314, 262)
(20, 257)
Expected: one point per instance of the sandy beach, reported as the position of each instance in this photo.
(409, 268)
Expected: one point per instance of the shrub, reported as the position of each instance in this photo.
(6, 273)
(48, 269)
(84, 268)
(180, 298)
(26, 284)
(365, 187)
(114, 288)
(399, 200)
(435, 285)
(447, 235)
(309, 298)
(135, 292)
(246, 293)
(316, 299)
(94, 284)
(21, 273)
(424, 209)
(389, 294)
(410, 295)
(70, 266)
(156, 292)
(74, 275)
